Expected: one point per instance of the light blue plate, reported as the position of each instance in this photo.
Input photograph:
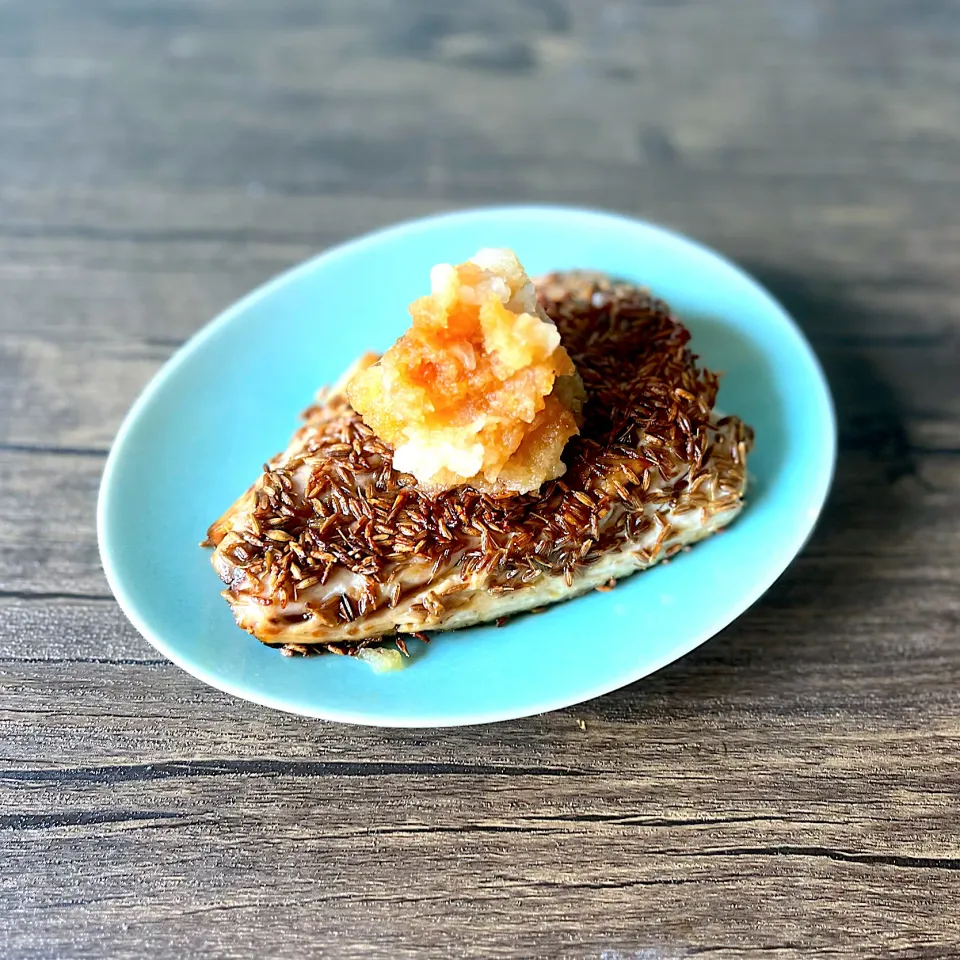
(231, 397)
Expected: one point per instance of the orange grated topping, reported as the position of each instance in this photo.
(479, 390)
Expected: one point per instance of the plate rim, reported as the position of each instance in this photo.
(114, 577)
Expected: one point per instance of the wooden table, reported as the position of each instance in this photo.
(790, 789)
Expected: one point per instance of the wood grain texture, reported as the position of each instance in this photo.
(791, 789)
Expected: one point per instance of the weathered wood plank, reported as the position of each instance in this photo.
(899, 386)
(388, 829)
(163, 272)
(789, 789)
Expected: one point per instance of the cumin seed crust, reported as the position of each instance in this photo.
(332, 546)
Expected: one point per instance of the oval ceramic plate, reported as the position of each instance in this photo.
(231, 398)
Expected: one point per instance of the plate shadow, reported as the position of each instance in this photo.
(763, 653)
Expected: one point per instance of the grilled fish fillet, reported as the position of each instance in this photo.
(332, 546)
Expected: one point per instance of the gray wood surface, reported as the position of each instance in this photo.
(791, 789)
